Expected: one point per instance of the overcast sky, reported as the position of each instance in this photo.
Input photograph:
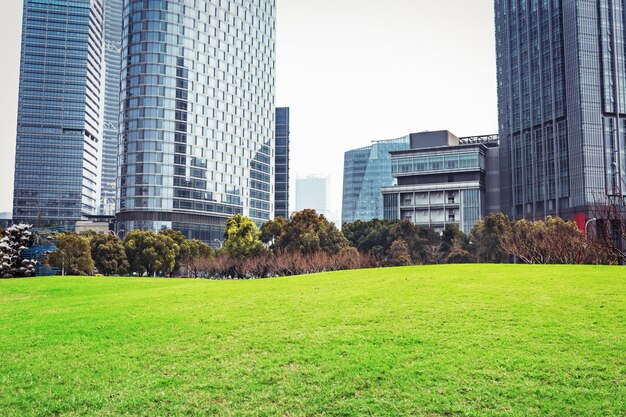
(352, 71)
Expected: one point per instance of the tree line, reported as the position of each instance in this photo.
(307, 243)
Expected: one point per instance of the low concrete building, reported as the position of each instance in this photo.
(444, 180)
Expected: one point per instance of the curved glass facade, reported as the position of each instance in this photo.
(197, 114)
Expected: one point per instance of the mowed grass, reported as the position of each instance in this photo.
(478, 340)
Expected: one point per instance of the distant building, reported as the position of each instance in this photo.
(281, 185)
(365, 172)
(313, 192)
(561, 69)
(443, 179)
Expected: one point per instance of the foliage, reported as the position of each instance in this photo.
(271, 230)
(73, 254)
(275, 264)
(399, 253)
(307, 232)
(108, 254)
(553, 241)
(150, 253)
(243, 237)
(195, 250)
(610, 228)
(487, 234)
(445, 340)
(14, 241)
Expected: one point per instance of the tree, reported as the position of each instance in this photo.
(243, 237)
(194, 252)
(307, 232)
(182, 244)
(15, 240)
(73, 255)
(399, 253)
(150, 253)
(108, 254)
(273, 229)
(610, 227)
(487, 235)
(553, 241)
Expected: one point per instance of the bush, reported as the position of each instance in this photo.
(224, 266)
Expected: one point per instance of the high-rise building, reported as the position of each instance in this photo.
(365, 172)
(112, 61)
(60, 120)
(562, 104)
(281, 204)
(444, 180)
(197, 115)
(313, 192)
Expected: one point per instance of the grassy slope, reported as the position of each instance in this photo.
(445, 340)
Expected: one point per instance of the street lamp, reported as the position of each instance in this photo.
(221, 242)
(593, 219)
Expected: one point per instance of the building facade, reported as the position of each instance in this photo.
(444, 180)
(365, 172)
(561, 101)
(58, 155)
(281, 194)
(313, 192)
(197, 115)
(112, 67)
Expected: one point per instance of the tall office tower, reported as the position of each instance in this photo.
(562, 104)
(59, 127)
(112, 61)
(281, 203)
(365, 171)
(313, 192)
(197, 115)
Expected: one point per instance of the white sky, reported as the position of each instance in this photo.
(351, 71)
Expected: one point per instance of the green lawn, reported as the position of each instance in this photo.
(480, 340)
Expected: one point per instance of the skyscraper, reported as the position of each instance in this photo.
(197, 115)
(365, 171)
(112, 60)
(60, 128)
(281, 204)
(561, 101)
(313, 192)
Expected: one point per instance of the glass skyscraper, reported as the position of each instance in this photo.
(197, 115)
(365, 172)
(281, 204)
(112, 56)
(561, 100)
(60, 127)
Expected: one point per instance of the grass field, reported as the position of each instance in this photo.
(480, 340)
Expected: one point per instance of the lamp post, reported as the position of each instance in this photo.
(593, 219)
(221, 242)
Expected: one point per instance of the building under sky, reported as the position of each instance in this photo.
(112, 56)
(197, 115)
(562, 105)
(313, 192)
(365, 171)
(58, 156)
(281, 204)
